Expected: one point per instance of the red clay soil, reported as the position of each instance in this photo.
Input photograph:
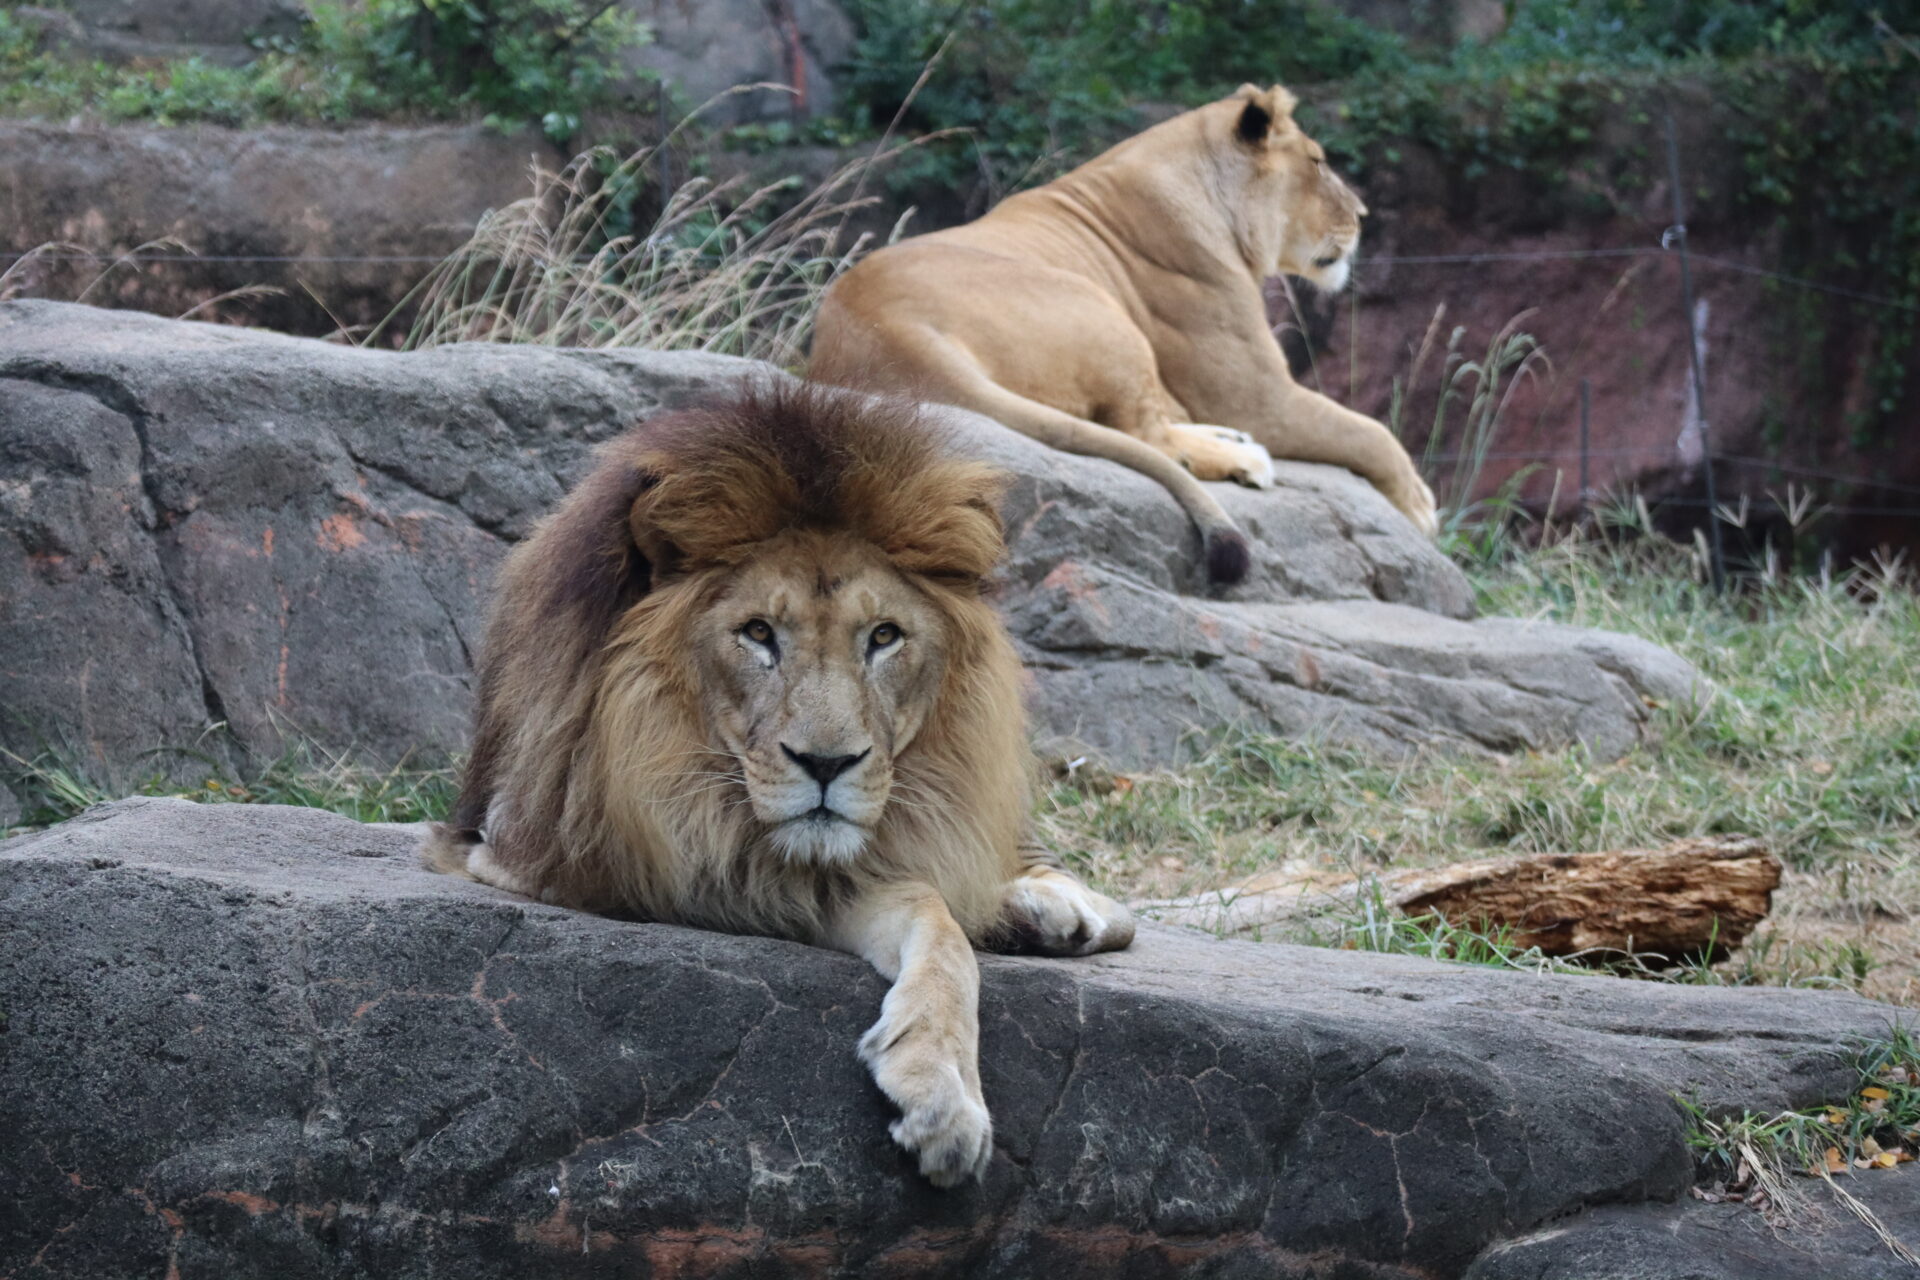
(1618, 322)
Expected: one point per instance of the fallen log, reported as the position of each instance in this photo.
(1693, 899)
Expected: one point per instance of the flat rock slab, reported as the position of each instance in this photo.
(1691, 1240)
(201, 524)
(253, 1041)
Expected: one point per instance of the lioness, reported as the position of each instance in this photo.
(1113, 310)
(744, 678)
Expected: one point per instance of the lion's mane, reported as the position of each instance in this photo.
(594, 781)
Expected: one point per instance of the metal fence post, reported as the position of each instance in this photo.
(1586, 415)
(1677, 236)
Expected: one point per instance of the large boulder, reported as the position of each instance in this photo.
(217, 30)
(718, 47)
(201, 524)
(249, 1041)
(338, 224)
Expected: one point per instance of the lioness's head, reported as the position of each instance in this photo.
(1296, 217)
(816, 562)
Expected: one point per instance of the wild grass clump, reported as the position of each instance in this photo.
(718, 267)
(1762, 1160)
(304, 775)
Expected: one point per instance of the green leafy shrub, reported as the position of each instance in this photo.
(1039, 83)
(509, 61)
(544, 60)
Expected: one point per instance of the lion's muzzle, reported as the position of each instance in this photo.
(824, 807)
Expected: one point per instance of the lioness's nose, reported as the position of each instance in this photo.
(823, 769)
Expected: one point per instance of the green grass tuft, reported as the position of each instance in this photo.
(304, 775)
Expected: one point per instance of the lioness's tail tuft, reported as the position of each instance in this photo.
(1229, 557)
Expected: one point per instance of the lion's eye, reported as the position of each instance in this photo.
(758, 631)
(883, 635)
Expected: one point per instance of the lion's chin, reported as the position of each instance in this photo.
(823, 838)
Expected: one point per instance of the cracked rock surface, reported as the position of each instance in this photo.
(253, 1041)
(202, 524)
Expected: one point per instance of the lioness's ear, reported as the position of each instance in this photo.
(1255, 121)
(1280, 102)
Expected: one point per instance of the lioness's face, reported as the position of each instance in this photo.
(1325, 229)
(1318, 214)
(821, 662)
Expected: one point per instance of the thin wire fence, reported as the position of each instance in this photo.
(1649, 454)
(1359, 264)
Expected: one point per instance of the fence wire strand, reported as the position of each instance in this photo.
(1413, 260)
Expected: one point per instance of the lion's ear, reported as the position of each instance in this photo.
(662, 555)
(942, 522)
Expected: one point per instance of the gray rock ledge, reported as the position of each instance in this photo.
(251, 1041)
(201, 524)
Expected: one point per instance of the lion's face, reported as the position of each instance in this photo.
(1304, 215)
(820, 662)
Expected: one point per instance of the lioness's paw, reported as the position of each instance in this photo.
(1415, 501)
(1253, 468)
(1054, 914)
(1222, 453)
(943, 1119)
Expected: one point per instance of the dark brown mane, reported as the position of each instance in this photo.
(699, 487)
(794, 455)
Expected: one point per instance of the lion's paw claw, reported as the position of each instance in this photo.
(1419, 507)
(951, 1133)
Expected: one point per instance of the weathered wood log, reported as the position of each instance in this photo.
(1695, 898)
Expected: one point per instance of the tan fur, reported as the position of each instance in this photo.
(638, 750)
(1117, 312)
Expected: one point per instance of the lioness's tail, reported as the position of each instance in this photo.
(1228, 554)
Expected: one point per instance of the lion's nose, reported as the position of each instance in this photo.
(823, 769)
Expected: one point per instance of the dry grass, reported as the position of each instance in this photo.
(719, 267)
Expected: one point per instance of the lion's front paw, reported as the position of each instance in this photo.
(943, 1119)
(1054, 914)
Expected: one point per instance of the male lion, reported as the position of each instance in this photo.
(1112, 310)
(744, 678)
